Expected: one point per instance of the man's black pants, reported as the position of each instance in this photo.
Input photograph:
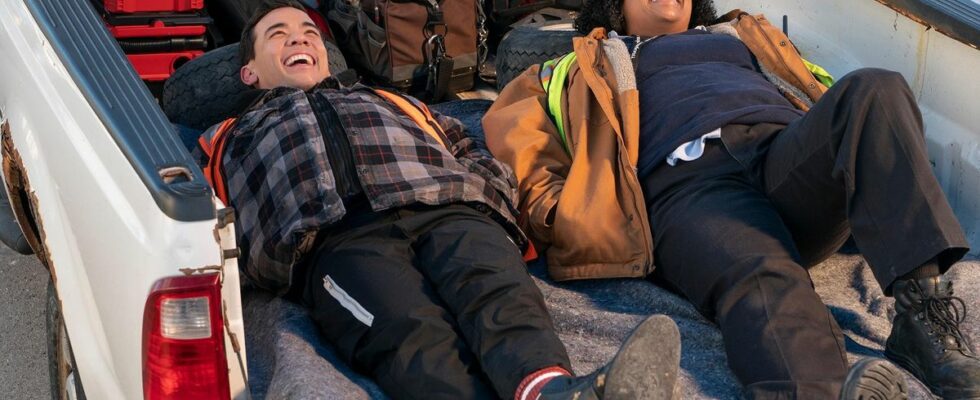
(736, 229)
(432, 302)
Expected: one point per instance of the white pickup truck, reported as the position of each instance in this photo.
(141, 255)
(145, 298)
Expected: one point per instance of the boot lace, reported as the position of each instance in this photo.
(945, 315)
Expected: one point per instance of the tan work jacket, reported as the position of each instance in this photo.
(585, 211)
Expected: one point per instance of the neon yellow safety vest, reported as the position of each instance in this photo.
(553, 75)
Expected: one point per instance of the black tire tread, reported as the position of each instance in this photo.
(55, 328)
(526, 46)
(203, 91)
(10, 232)
(207, 89)
(53, 323)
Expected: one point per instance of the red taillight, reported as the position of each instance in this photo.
(183, 340)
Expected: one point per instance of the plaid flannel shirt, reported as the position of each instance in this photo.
(281, 184)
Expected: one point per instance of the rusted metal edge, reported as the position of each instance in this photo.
(945, 28)
(19, 187)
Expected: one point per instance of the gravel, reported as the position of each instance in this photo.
(24, 360)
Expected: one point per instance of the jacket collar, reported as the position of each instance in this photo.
(598, 34)
(730, 16)
(589, 52)
(344, 80)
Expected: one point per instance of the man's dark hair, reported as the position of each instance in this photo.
(609, 14)
(246, 48)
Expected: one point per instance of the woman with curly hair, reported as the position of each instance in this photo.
(709, 145)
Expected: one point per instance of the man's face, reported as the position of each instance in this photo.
(288, 52)
(656, 17)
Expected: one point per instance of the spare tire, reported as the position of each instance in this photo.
(525, 46)
(207, 89)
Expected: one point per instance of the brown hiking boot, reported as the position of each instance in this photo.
(644, 369)
(927, 341)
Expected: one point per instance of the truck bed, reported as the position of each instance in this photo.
(288, 358)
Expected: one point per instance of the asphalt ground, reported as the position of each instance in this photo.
(23, 348)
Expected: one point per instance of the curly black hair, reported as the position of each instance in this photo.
(609, 14)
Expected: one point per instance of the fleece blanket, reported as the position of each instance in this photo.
(287, 358)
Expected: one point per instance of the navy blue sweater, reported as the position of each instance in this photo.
(694, 82)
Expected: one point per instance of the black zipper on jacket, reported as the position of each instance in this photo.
(341, 157)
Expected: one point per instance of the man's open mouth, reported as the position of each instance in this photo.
(300, 59)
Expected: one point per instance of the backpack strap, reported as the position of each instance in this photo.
(553, 75)
(212, 142)
(418, 113)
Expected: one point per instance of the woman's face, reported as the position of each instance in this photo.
(656, 17)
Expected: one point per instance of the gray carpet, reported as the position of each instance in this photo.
(287, 359)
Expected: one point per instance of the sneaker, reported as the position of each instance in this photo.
(645, 368)
(874, 379)
(927, 341)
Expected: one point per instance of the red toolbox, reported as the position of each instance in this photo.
(156, 29)
(145, 6)
(156, 50)
(155, 67)
(157, 19)
(156, 47)
(157, 36)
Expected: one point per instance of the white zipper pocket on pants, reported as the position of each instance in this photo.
(347, 302)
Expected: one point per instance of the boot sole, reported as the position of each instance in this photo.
(646, 366)
(874, 378)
